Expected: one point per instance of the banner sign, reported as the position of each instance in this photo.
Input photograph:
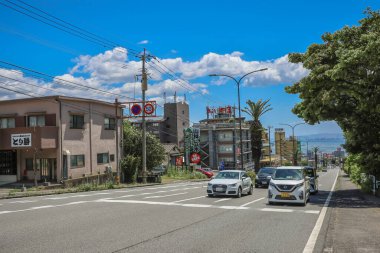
(21, 140)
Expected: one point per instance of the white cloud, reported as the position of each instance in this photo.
(114, 72)
(143, 42)
(173, 51)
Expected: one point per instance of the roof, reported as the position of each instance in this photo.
(58, 98)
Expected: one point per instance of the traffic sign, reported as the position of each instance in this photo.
(136, 109)
(195, 158)
(149, 109)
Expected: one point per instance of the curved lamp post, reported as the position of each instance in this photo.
(238, 81)
(293, 126)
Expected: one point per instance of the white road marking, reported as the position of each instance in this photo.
(312, 211)
(317, 228)
(23, 201)
(196, 205)
(220, 200)
(281, 210)
(183, 200)
(39, 207)
(234, 207)
(163, 196)
(246, 204)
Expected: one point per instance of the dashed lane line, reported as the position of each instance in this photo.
(183, 200)
(256, 200)
(220, 200)
(164, 196)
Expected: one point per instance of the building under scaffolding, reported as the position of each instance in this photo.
(220, 140)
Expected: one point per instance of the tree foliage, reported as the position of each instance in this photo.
(344, 85)
(132, 142)
(256, 110)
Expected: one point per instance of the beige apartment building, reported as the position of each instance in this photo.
(62, 137)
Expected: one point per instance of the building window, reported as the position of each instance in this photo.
(225, 148)
(183, 123)
(29, 163)
(77, 121)
(109, 123)
(77, 160)
(183, 112)
(103, 158)
(7, 123)
(112, 158)
(37, 120)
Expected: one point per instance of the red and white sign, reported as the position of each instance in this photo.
(179, 161)
(195, 158)
(149, 109)
(136, 109)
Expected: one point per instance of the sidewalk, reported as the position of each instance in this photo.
(354, 225)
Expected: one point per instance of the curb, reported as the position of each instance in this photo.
(56, 192)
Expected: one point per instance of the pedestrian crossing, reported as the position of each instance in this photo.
(182, 195)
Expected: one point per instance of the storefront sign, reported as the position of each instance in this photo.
(21, 140)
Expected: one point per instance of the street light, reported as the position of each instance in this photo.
(294, 151)
(237, 81)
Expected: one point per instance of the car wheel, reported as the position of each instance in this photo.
(250, 190)
(210, 195)
(270, 203)
(238, 195)
(256, 186)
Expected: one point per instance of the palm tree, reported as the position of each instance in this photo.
(256, 110)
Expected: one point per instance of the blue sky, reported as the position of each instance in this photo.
(191, 38)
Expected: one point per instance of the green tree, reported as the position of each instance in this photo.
(155, 152)
(256, 110)
(343, 85)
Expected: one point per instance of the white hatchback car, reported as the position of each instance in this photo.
(289, 184)
(230, 182)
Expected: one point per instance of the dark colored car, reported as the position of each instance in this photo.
(206, 171)
(263, 176)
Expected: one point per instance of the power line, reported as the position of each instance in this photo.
(73, 31)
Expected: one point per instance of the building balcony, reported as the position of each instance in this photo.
(45, 137)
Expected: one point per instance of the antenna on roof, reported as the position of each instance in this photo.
(175, 97)
(164, 97)
(184, 97)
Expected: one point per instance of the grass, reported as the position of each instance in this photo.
(179, 174)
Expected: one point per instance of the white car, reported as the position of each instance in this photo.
(289, 184)
(230, 182)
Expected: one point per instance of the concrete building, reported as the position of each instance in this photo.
(217, 135)
(284, 147)
(176, 120)
(170, 127)
(62, 137)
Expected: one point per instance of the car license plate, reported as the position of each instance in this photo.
(219, 189)
(285, 195)
(264, 182)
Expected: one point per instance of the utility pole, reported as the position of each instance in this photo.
(144, 87)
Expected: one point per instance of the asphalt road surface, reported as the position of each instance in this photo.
(165, 218)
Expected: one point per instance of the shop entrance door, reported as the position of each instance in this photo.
(48, 169)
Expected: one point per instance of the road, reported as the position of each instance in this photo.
(165, 218)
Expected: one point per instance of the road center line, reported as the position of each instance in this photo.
(280, 210)
(246, 204)
(317, 228)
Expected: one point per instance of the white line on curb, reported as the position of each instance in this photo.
(317, 228)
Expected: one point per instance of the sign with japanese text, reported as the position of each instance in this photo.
(195, 158)
(21, 140)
